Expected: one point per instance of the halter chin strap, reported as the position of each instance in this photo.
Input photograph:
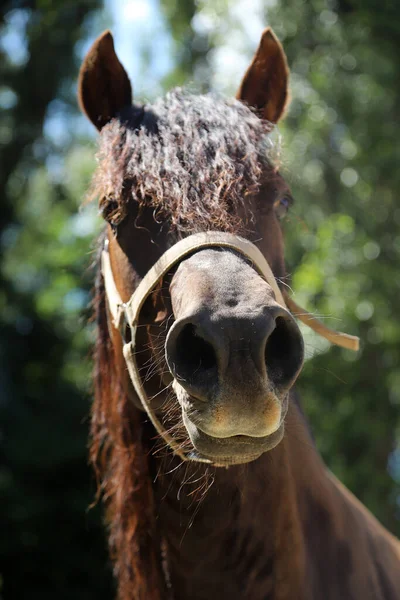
(128, 313)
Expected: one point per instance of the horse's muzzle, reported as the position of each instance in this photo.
(232, 349)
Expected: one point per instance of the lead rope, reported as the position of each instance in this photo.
(128, 313)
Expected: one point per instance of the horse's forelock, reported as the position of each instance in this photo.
(194, 159)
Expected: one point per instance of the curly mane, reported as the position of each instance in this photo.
(194, 159)
(119, 454)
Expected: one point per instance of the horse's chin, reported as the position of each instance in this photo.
(234, 450)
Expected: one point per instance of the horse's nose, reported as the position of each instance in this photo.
(202, 351)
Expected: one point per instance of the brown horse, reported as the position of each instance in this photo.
(237, 504)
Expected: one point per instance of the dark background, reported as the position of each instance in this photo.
(341, 154)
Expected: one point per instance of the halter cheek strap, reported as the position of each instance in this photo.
(129, 313)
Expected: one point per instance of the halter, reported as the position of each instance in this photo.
(128, 313)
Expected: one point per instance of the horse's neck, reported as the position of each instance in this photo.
(237, 532)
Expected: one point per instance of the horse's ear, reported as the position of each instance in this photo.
(265, 84)
(104, 87)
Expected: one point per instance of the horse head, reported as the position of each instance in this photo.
(217, 349)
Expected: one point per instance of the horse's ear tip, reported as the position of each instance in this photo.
(267, 32)
(104, 40)
(107, 35)
(268, 35)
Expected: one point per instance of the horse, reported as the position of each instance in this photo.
(212, 484)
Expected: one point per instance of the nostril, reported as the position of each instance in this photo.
(191, 357)
(193, 350)
(284, 352)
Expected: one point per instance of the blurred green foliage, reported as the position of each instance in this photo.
(341, 145)
(340, 154)
(51, 545)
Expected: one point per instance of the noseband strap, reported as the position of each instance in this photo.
(128, 313)
(169, 259)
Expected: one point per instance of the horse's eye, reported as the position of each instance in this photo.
(112, 212)
(282, 206)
